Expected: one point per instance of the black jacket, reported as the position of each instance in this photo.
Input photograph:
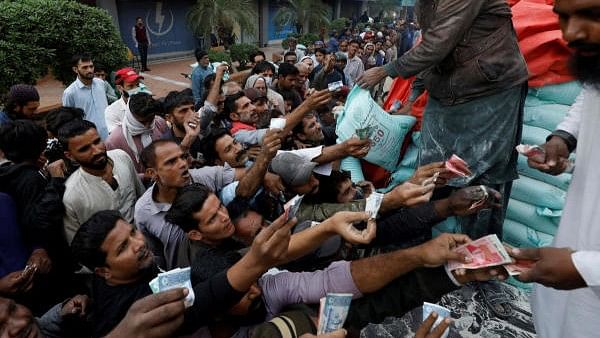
(469, 50)
(38, 202)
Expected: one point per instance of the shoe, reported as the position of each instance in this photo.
(146, 70)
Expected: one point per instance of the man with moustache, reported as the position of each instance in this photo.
(574, 260)
(123, 266)
(104, 181)
(87, 92)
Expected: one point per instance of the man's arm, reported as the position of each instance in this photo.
(351, 147)
(312, 102)
(341, 224)
(253, 178)
(197, 85)
(133, 36)
(452, 20)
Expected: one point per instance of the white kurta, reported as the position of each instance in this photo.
(577, 313)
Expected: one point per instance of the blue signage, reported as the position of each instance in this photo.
(274, 34)
(165, 21)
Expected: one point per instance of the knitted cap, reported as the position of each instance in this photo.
(22, 93)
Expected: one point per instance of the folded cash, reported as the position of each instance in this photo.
(364, 133)
(519, 265)
(484, 252)
(373, 203)
(293, 206)
(442, 312)
(176, 278)
(334, 311)
(458, 166)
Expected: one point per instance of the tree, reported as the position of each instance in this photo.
(305, 15)
(41, 35)
(208, 16)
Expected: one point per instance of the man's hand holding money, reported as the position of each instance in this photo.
(406, 194)
(342, 223)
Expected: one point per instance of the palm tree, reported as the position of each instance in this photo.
(303, 14)
(208, 16)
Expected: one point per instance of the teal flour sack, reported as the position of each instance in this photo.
(564, 93)
(543, 220)
(546, 116)
(387, 131)
(521, 236)
(561, 181)
(538, 193)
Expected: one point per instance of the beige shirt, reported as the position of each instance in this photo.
(86, 194)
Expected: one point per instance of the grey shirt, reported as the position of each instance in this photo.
(166, 237)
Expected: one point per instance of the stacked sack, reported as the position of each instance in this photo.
(537, 199)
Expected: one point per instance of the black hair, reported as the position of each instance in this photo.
(22, 140)
(208, 263)
(137, 18)
(200, 53)
(58, 117)
(255, 54)
(176, 99)
(188, 200)
(72, 129)
(90, 236)
(329, 185)
(286, 69)
(209, 145)
(19, 95)
(84, 57)
(354, 41)
(322, 51)
(143, 105)
(262, 67)
(299, 128)
(148, 155)
(239, 208)
(290, 53)
(230, 103)
(99, 67)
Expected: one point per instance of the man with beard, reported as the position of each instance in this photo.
(87, 92)
(123, 266)
(329, 72)
(572, 263)
(470, 61)
(104, 180)
(22, 102)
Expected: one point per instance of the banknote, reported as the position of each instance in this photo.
(484, 252)
(364, 133)
(335, 311)
(538, 154)
(293, 206)
(442, 312)
(373, 203)
(519, 265)
(172, 279)
(458, 166)
(277, 123)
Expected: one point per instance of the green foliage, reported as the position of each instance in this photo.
(205, 15)
(304, 15)
(339, 24)
(38, 35)
(218, 56)
(241, 52)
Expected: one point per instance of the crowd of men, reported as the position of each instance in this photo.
(97, 199)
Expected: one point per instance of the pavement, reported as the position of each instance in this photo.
(165, 76)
